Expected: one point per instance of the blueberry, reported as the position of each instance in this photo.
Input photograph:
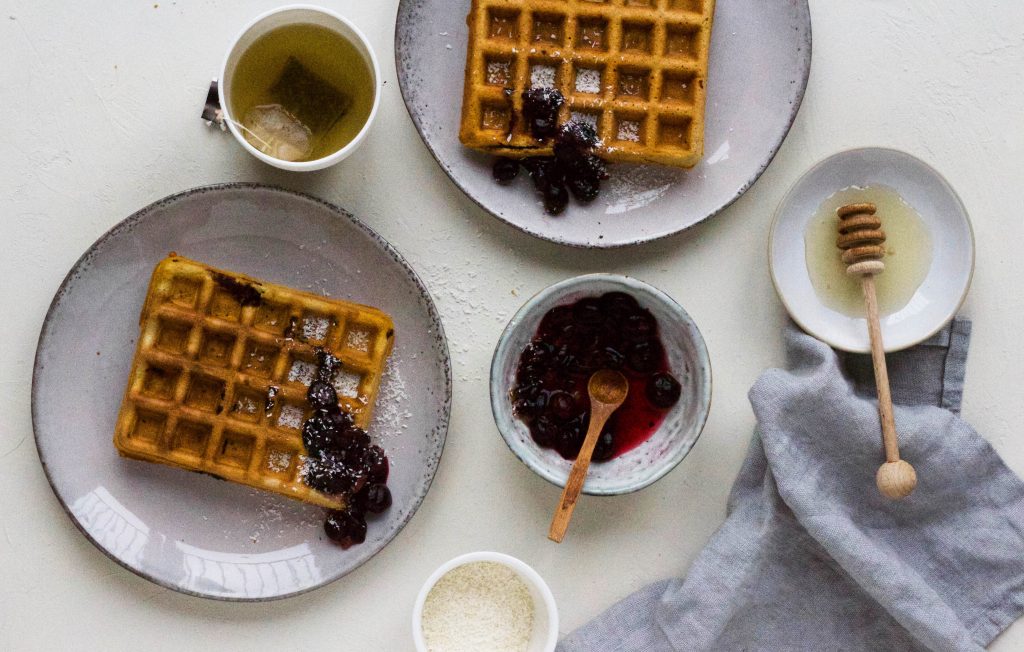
(663, 390)
(540, 109)
(644, 357)
(556, 199)
(336, 417)
(328, 473)
(530, 405)
(562, 405)
(544, 430)
(327, 365)
(505, 170)
(345, 527)
(605, 447)
(319, 434)
(619, 305)
(588, 310)
(377, 465)
(640, 326)
(611, 358)
(377, 498)
(322, 395)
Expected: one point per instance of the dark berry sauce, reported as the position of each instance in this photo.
(341, 458)
(573, 341)
(574, 168)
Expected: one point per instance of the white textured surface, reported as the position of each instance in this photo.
(99, 112)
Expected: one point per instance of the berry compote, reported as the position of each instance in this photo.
(341, 459)
(611, 331)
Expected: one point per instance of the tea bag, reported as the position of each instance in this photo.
(311, 99)
(273, 130)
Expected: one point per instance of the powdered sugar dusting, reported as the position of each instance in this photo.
(585, 119)
(635, 186)
(358, 339)
(588, 80)
(315, 328)
(347, 383)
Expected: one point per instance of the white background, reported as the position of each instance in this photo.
(98, 117)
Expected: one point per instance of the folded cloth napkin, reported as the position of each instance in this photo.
(811, 557)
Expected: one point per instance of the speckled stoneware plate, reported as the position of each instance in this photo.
(671, 442)
(759, 63)
(948, 278)
(193, 533)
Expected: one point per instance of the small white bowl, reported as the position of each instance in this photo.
(944, 288)
(670, 443)
(545, 615)
(290, 15)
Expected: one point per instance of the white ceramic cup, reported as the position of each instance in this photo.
(545, 614)
(290, 15)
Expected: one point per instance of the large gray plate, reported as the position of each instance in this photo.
(193, 533)
(759, 63)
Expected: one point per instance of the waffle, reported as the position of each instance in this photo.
(218, 383)
(635, 69)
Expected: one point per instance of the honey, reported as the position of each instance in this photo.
(907, 260)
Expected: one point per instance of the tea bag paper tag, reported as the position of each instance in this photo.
(213, 114)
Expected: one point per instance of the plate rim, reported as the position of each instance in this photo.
(403, 9)
(135, 218)
(830, 341)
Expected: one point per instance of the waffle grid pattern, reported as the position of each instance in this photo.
(636, 69)
(199, 393)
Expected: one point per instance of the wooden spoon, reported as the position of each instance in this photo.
(861, 238)
(607, 391)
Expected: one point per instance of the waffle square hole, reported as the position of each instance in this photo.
(149, 426)
(630, 129)
(248, 405)
(272, 318)
(316, 328)
(235, 450)
(498, 71)
(677, 87)
(584, 117)
(347, 382)
(359, 338)
(280, 460)
(633, 83)
(172, 336)
(639, 3)
(696, 6)
(206, 393)
(223, 305)
(184, 292)
(503, 25)
(291, 416)
(496, 117)
(637, 37)
(216, 348)
(589, 81)
(259, 359)
(301, 370)
(160, 382)
(592, 34)
(544, 74)
(548, 29)
(674, 132)
(190, 437)
(681, 42)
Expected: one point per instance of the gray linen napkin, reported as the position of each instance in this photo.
(810, 556)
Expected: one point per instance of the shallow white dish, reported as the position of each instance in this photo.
(545, 615)
(670, 443)
(944, 288)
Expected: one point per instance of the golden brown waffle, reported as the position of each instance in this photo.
(219, 379)
(636, 69)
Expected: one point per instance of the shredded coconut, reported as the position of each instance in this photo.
(499, 72)
(585, 119)
(479, 606)
(291, 417)
(279, 461)
(629, 130)
(358, 339)
(588, 80)
(542, 76)
(302, 372)
(315, 328)
(245, 405)
(347, 383)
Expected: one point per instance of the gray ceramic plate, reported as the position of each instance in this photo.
(759, 62)
(193, 533)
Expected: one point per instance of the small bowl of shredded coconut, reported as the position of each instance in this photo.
(485, 601)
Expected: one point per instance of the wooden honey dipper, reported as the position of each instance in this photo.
(861, 238)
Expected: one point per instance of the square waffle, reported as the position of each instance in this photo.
(635, 69)
(218, 383)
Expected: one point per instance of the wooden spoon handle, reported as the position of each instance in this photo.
(574, 485)
(885, 413)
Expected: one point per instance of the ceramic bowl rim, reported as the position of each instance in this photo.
(498, 391)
